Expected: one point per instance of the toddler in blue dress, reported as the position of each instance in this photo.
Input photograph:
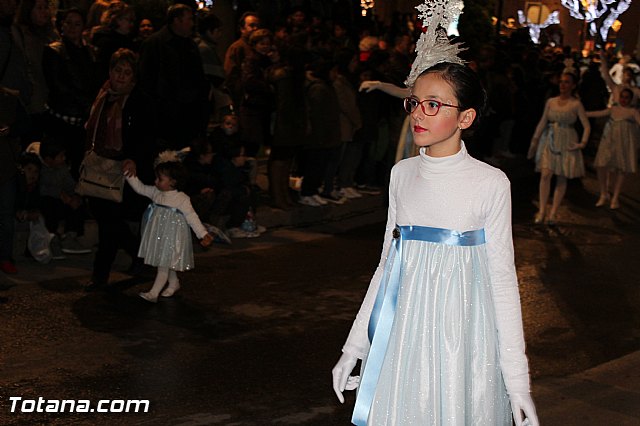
(166, 237)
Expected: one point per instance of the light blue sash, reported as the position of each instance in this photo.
(149, 211)
(152, 206)
(384, 308)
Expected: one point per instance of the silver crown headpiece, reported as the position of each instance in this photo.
(434, 47)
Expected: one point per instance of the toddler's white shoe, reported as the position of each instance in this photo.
(148, 297)
(170, 291)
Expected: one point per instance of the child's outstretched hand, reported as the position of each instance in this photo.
(206, 240)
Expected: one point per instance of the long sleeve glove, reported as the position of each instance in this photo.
(522, 403)
(341, 372)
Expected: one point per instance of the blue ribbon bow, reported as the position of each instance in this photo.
(384, 308)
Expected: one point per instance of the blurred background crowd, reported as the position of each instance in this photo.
(136, 78)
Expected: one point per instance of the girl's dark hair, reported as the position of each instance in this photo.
(50, 148)
(30, 158)
(174, 170)
(627, 90)
(62, 15)
(466, 86)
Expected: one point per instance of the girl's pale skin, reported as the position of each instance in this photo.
(164, 183)
(441, 133)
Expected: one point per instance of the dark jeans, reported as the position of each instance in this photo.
(7, 204)
(113, 233)
(314, 168)
(54, 211)
(351, 157)
(334, 157)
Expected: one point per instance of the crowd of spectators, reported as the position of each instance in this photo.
(289, 92)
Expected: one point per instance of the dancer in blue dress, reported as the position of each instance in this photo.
(557, 148)
(166, 237)
(618, 149)
(440, 328)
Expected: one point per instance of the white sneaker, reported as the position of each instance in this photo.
(369, 190)
(309, 201)
(241, 233)
(334, 198)
(350, 193)
(320, 200)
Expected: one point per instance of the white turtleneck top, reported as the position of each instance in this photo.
(459, 193)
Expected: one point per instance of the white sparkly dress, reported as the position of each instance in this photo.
(166, 238)
(456, 338)
(618, 149)
(556, 132)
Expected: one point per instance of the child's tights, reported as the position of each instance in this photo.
(164, 274)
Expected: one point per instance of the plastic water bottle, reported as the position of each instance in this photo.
(249, 224)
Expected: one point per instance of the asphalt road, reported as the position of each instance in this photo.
(253, 334)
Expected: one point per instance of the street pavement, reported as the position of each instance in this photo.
(582, 341)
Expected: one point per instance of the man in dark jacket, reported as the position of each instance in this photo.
(171, 73)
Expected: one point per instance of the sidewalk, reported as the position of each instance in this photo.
(301, 223)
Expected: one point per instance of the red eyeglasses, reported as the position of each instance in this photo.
(429, 106)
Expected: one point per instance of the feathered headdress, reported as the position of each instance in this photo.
(171, 156)
(433, 47)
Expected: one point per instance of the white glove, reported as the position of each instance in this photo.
(522, 403)
(341, 378)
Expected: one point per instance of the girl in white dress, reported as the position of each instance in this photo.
(166, 238)
(618, 150)
(556, 147)
(440, 328)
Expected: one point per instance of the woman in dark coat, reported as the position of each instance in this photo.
(258, 100)
(120, 127)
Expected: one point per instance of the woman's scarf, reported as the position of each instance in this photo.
(113, 138)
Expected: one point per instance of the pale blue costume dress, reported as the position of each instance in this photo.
(455, 343)
(618, 149)
(166, 237)
(556, 132)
